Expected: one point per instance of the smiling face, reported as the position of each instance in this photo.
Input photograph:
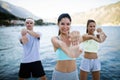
(91, 27)
(29, 24)
(64, 25)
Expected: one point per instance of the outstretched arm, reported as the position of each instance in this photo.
(75, 37)
(101, 35)
(72, 51)
(89, 37)
(34, 34)
(24, 38)
(99, 38)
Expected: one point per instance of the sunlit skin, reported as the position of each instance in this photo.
(65, 65)
(91, 28)
(99, 30)
(29, 24)
(64, 26)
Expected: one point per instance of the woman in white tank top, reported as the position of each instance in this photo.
(91, 63)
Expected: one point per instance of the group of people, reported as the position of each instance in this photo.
(66, 47)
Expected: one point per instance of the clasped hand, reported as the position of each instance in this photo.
(74, 37)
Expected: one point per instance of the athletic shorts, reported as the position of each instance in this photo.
(33, 69)
(57, 75)
(90, 65)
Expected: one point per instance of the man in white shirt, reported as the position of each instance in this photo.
(31, 65)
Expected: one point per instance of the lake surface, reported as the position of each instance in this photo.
(11, 50)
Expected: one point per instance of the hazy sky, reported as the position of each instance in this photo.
(53, 8)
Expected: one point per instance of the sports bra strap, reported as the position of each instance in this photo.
(58, 37)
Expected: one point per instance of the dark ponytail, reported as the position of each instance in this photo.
(59, 32)
(64, 15)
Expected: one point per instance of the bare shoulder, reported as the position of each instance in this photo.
(53, 39)
(84, 36)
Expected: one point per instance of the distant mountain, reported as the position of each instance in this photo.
(16, 11)
(5, 15)
(105, 15)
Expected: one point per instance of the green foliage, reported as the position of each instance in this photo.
(4, 16)
(39, 22)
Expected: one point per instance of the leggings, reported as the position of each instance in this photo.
(57, 75)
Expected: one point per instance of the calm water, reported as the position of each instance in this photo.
(11, 50)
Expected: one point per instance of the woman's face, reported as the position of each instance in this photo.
(91, 27)
(64, 25)
(29, 24)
